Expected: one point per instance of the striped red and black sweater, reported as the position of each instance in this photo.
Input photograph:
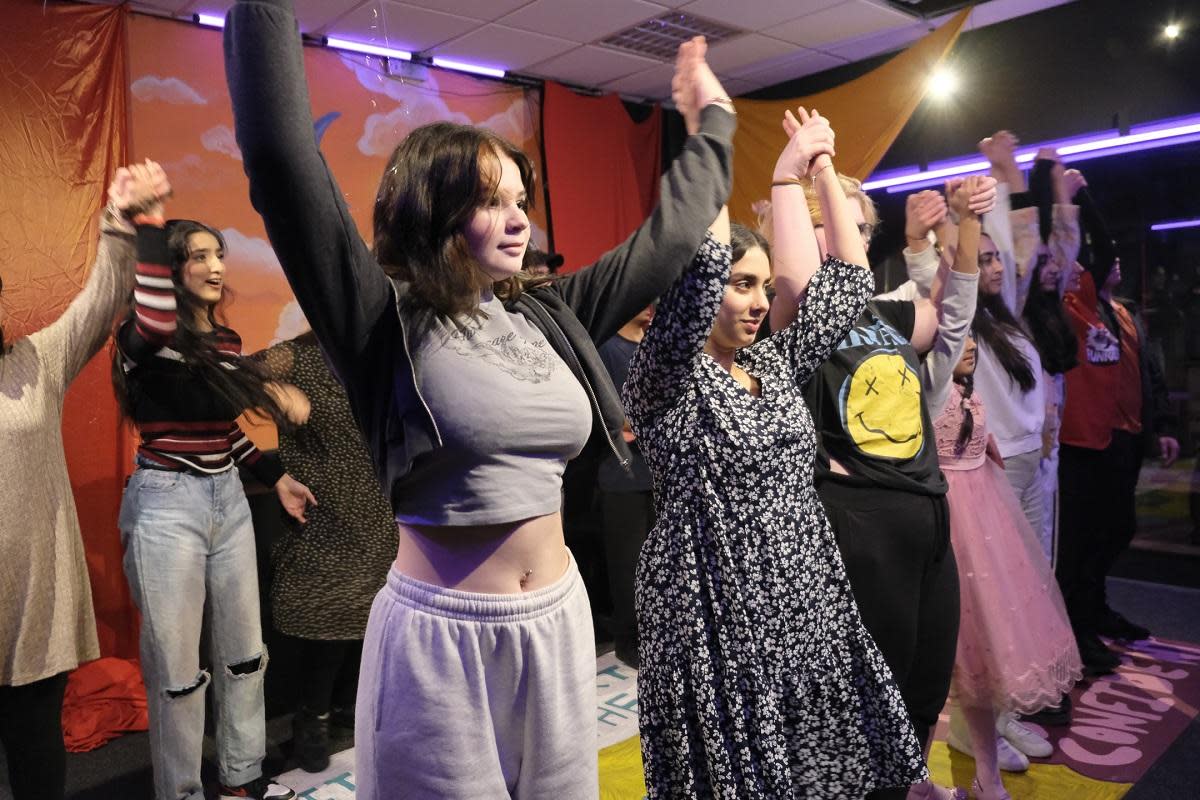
(183, 424)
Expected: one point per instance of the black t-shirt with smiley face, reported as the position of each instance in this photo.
(868, 408)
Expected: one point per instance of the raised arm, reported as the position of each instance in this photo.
(661, 367)
(632, 275)
(924, 212)
(341, 289)
(794, 248)
(958, 296)
(67, 344)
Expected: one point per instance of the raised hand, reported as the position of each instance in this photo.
(983, 196)
(139, 189)
(1073, 181)
(923, 211)
(295, 497)
(999, 148)
(696, 83)
(810, 140)
(961, 191)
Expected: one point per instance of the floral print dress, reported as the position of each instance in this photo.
(757, 677)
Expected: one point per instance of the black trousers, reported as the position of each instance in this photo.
(1097, 519)
(330, 674)
(32, 736)
(897, 552)
(627, 519)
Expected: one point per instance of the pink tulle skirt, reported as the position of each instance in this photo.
(1016, 651)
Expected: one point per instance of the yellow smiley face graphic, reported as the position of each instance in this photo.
(881, 407)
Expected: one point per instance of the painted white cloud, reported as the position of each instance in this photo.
(513, 124)
(152, 88)
(250, 251)
(292, 323)
(221, 139)
(537, 236)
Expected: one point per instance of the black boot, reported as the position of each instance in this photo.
(310, 740)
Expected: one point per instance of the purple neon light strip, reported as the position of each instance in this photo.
(209, 20)
(1175, 225)
(1079, 148)
(463, 66)
(369, 49)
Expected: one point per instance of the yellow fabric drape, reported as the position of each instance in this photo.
(867, 113)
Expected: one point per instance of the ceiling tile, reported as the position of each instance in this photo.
(789, 67)
(401, 26)
(500, 46)
(846, 20)
(873, 44)
(316, 14)
(653, 84)
(476, 9)
(591, 66)
(751, 48)
(754, 15)
(581, 20)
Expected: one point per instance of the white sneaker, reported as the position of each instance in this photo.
(1022, 738)
(1008, 758)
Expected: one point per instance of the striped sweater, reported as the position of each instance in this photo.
(183, 424)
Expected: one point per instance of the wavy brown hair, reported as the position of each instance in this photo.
(436, 178)
(242, 389)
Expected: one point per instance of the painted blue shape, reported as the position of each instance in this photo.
(322, 124)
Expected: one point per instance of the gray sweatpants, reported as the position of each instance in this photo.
(468, 695)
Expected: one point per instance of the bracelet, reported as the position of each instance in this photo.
(788, 182)
(924, 238)
(818, 172)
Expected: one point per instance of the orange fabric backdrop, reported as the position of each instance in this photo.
(62, 135)
(602, 169)
(181, 116)
(867, 113)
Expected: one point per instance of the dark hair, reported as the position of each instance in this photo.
(967, 382)
(241, 389)
(995, 326)
(436, 178)
(744, 240)
(1053, 335)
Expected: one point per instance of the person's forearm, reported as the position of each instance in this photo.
(841, 232)
(795, 251)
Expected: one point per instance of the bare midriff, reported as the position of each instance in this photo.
(507, 558)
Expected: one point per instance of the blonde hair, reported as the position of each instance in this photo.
(851, 186)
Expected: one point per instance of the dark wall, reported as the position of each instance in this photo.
(1077, 68)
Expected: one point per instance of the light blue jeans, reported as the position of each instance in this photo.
(188, 538)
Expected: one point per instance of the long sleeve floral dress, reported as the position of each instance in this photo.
(757, 677)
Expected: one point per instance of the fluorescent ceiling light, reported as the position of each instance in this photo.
(209, 20)
(1175, 225)
(1077, 148)
(369, 49)
(462, 66)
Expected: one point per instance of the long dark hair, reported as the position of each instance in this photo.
(240, 389)
(967, 382)
(3, 344)
(996, 327)
(1053, 335)
(436, 178)
(744, 239)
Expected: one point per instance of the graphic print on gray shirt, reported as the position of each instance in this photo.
(494, 466)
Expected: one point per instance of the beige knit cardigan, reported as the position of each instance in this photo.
(46, 621)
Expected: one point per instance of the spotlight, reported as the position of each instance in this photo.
(1172, 31)
(942, 83)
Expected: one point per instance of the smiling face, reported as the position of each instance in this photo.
(745, 305)
(882, 407)
(204, 273)
(497, 232)
(991, 268)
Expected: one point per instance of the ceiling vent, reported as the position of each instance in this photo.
(660, 37)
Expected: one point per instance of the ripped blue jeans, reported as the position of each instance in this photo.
(187, 540)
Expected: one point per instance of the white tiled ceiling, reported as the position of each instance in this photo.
(559, 39)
